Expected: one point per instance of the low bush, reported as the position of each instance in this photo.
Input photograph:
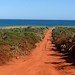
(16, 42)
(64, 39)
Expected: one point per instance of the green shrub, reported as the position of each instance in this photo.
(18, 41)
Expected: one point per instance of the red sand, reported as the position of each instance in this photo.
(40, 62)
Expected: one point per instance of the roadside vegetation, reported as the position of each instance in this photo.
(16, 42)
(64, 39)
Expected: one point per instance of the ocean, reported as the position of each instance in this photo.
(22, 22)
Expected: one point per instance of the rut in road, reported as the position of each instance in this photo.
(39, 62)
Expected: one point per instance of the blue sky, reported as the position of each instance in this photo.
(37, 9)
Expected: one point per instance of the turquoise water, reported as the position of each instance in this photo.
(16, 22)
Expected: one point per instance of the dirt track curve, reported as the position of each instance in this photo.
(40, 62)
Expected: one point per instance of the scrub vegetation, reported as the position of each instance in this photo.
(16, 42)
(64, 39)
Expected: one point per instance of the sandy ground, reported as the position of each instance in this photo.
(43, 61)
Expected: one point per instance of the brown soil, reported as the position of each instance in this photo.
(43, 61)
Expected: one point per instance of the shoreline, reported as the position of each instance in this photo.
(12, 27)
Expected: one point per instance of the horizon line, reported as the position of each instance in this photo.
(34, 19)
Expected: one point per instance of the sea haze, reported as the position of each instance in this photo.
(18, 22)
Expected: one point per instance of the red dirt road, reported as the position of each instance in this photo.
(40, 62)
